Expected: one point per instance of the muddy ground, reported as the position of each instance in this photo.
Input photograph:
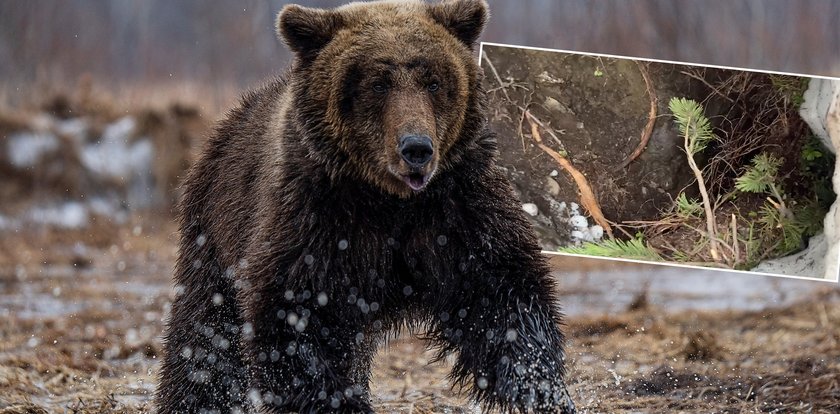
(82, 313)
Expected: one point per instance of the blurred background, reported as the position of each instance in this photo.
(213, 48)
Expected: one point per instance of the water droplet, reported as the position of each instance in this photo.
(442, 240)
(343, 244)
(510, 335)
(254, 396)
(482, 383)
(289, 295)
(218, 299)
(462, 313)
(200, 240)
(408, 290)
(323, 299)
(309, 259)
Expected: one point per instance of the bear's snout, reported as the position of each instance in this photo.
(416, 150)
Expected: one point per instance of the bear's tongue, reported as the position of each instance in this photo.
(415, 181)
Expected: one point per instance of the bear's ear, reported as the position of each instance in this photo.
(306, 30)
(465, 19)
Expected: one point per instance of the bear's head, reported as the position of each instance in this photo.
(386, 91)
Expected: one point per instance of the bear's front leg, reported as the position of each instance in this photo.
(500, 311)
(304, 353)
(510, 350)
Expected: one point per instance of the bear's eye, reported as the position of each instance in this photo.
(380, 87)
(433, 87)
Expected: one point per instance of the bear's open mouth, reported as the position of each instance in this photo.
(415, 180)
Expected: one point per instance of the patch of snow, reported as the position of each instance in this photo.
(26, 148)
(114, 155)
(108, 208)
(597, 232)
(809, 262)
(7, 223)
(72, 214)
(76, 128)
(579, 222)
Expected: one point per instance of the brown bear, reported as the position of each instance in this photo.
(355, 195)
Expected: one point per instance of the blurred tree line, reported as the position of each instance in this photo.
(117, 41)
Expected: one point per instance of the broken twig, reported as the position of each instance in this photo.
(648, 127)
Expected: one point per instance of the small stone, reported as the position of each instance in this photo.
(531, 209)
(554, 105)
(552, 187)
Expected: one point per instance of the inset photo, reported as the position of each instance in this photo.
(668, 162)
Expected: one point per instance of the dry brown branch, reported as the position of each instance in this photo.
(587, 197)
(620, 228)
(643, 141)
(544, 126)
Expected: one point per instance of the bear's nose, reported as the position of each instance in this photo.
(416, 150)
